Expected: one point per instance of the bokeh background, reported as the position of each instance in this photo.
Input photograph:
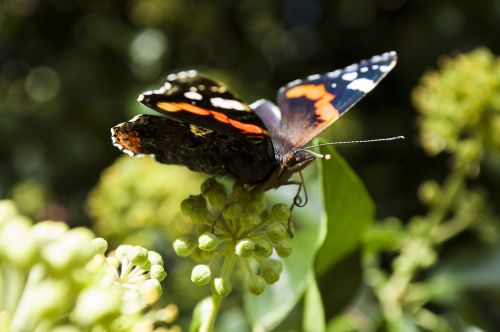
(70, 70)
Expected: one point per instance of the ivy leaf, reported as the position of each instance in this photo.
(349, 211)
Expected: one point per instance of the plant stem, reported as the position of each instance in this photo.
(226, 272)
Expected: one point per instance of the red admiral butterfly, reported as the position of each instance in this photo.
(208, 129)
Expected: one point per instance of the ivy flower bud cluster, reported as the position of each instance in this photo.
(460, 106)
(56, 278)
(234, 228)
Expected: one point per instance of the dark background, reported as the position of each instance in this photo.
(70, 70)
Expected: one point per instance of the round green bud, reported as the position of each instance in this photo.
(250, 219)
(157, 272)
(255, 284)
(221, 287)
(195, 207)
(240, 194)
(469, 151)
(201, 274)
(17, 242)
(271, 270)
(233, 211)
(155, 258)
(256, 204)
(263, 248)
(183, 247)
(138, 256)
(207, 241)
(280, 213)
(150, 290)
(214, 192)
(122, 251)
(48, 231)
(245, 248)
(72, 249)
(283, 248)
(99, 245)
(276, 232)
(429, 191)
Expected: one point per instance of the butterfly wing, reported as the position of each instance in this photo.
(200, 149)
(192, 98)
(310, 105)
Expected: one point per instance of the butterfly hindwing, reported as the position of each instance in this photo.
(200, 149)
(191, 98)
(310, 105)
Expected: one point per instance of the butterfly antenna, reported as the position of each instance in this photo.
(327, 156)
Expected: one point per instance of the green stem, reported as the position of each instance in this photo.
(226, 272)
(451, 188)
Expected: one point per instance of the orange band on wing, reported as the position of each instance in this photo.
(324, 109)
(219, 116)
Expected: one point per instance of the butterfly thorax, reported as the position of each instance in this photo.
(288, 163)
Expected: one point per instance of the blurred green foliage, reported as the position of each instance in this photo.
(137, 201)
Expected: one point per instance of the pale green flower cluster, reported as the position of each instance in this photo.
(234, 228)
(53, 278)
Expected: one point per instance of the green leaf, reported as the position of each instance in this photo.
(269, 309)
(314, 315)
(349, 211)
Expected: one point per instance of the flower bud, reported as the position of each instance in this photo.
(214, 192)
(201, 274)
(17, 242)
(221, 287)
(155, 258)
(245, 248)
(429, 191)
(99, 245)
(48, 231)
(271, 270)
(233, 211)
(255, 284)
(283, 248)
(96, 304)
(139, 256)
(183, 247)
(280, 213)
(150, 291)
(276, 232)
(195, 207)
(207, 241)
(72, 249)
(263, 248)
(157, 272)
(250, 219)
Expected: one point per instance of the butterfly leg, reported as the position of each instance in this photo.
(297, 200)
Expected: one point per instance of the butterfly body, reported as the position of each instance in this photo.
(208, 129)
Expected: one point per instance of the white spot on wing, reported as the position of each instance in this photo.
(364, 69)
(334, 85)
(334, 74)
(294, 83)
(313, 77)
(349, 76)
(227, 103)
(193, 95)
(361, 84)
(352, 67)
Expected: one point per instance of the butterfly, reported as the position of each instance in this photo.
(207, 128)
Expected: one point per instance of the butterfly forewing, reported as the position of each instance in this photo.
(310, 105)
(200, 149)
(192, 98)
